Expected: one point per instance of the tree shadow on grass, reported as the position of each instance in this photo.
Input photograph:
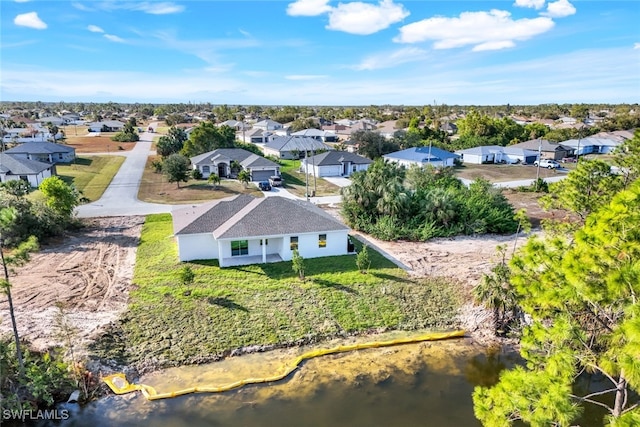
(226, 303)
(334, 285)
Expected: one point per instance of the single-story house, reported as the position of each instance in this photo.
(218, 162)
(422, 156)
(293, 147)
(243, 229)
(268, 124)
(320, 135)
(106, 126)
(334, 163)
(29, 134)
(254, 136)
(548, 150)
(31, 171)
(48, 152)
(497, 154)
(234, 124)
(592, 145)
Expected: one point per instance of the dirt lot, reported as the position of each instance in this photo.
(97, 144)
(89, 272)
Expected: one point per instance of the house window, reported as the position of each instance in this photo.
(266, 241)
(239, 247)
(60, 156)
(293, 242)
(322, 241)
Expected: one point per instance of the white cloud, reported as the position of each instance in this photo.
(95, 29)
(483, 30)
(636, 45)
(534, 4)
(306, 77)
(31, 20)
(81, 7)
(308, 7)
(391, 59)
(113, 38)
(560, 9)
(162, 8)
(364, 18)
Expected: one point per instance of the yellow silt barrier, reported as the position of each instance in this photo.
(119, 384)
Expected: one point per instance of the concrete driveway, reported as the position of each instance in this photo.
(340, 181)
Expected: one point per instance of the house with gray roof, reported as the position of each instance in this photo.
(497, 154)
(422, 156)
(31, 171)
(548, 149)
(48, 152)
(243, 229)
(218, 162)
(334, 163)
(320, 135)
(293, 147)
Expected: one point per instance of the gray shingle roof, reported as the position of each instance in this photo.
(17, 166)
(246, 216)
(300, 143)
(40, 148)
(247, 159)
(336, 158)
(421, 154)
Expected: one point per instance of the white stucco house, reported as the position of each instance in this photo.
(48, 152)
(422, 156)
(32, 171)
(334, 163)
(218, 162)
(243, 229)
(320, 135)
(497, 154)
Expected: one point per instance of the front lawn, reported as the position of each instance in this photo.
(265, 304)
(154, 188)
(296, 182)
(91, 174)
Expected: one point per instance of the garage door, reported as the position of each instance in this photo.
(262, 175)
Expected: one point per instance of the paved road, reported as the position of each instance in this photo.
(121, 197)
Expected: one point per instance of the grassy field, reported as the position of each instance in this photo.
(91, 174)
(502, 173)
(265, 304)
(295, 181)
(154, 188)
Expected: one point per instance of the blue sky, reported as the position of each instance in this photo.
(318, 52)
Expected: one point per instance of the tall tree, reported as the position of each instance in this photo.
(207, 137)
(176, 168)
(582, 297)
(60, 196)
(171, 143)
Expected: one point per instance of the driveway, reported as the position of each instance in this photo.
(121, 196)
(340, 181)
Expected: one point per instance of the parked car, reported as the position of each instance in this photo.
(546, 163)
(275, 181)
(569, 160)
(264, 186)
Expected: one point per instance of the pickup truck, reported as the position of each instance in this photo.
(275, 181)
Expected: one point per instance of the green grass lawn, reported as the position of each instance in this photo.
(91, 174)
(296, 183)
(265, 304)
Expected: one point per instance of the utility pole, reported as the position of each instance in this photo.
(7, 290)
(539, 158)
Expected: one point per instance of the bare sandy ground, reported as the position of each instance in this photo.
(89, 274)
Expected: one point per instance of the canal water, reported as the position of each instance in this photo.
(424, 384)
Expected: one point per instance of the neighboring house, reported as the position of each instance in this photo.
(422, 156)
(387, 129)
(235, 124)
(30, 134)
(32, 171)
(106, 126)
(592, 145)
(243, 230)
(293, 147)
(254, 136)
(547, 149)
(320, 135)
(334, 163)
(48, 152)
(497, 154)
(268, 125)
(218, 162)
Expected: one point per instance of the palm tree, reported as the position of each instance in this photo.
(214, 180)
(244, 177)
